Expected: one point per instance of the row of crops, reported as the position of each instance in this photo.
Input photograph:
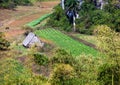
(37, 21)
(61, 40)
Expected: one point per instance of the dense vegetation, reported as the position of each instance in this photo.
(89, 17)
(109, 44)
(13, 3)
(4, 44)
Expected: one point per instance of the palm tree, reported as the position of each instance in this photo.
(72, 6)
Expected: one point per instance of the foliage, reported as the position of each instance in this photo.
(62, 56)
(74, 47)
(13, 73)
(63, 74)
(90, 17)
(71, 4)
(4, 44)
(12, 3)
(86, 67)
(40, 59)
(109, 44)
(109, 74)
(59, 20)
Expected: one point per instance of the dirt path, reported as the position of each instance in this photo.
(16, 19)
(81, 40)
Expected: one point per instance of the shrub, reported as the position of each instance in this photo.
(40, 59)
(109, 44)
(86, 67)
(63, 74)
(59, 20)
(62, 56)
(109, 74)
(13, 3)
(4, 44)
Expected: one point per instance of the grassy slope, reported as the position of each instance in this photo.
(66, 42)
(88, 38)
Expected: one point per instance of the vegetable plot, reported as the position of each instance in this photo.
(37, 21)
(76, 48)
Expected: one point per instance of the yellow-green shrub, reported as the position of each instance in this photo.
(63, 74)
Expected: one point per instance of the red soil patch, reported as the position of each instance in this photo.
(13, 33)
(39, 10)
(5, 14)
(27, 19)
(49, 4)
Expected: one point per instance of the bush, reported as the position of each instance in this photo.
(40, 59)
(62, 56)
(86, 67)
(59, 20)
(109, 74)
(109, 44)
(13, 3)
(4, 44)
(63, 74)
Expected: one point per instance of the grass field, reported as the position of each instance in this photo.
(61, 40)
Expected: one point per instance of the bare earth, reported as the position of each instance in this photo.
(15, 19)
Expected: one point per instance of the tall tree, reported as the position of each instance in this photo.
(71, 7)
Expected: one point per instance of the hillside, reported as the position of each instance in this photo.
(72, 42)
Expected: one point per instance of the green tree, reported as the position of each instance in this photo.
(73, 6)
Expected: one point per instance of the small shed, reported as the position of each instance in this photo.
(32, 39)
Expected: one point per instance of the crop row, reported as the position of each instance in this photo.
(74, 47)
(37, 21)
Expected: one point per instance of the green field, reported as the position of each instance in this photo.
(61, 40)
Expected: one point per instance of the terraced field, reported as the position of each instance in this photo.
(61, 40)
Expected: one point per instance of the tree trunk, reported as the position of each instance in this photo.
(74, 25)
